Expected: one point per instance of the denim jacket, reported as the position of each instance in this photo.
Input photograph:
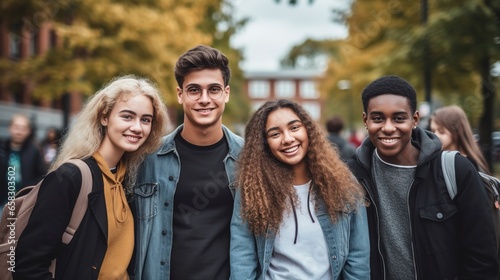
(347, 241)
(154, 198)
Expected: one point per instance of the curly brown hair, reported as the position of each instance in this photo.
(266, 183)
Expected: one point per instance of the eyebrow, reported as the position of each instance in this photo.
(209, 85)
(276, 128)
(395, 113)
(134, 113)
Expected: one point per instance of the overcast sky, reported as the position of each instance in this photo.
(274, 28)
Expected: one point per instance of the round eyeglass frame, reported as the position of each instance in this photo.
(190, 97)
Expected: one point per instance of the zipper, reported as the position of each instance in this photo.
(411, 230)
(365, 185)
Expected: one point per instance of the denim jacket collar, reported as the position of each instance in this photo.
(234, 142)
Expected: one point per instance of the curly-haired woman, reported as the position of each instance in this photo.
(298, 212)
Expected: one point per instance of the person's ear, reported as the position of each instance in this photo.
(416, 118)
(227, 91)
(179, 95)
(104, 120)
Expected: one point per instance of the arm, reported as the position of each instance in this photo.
(243, 252)
(478, 259)
(357, 265)
(41, 240)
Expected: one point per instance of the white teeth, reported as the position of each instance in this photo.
(132, 138)
(204, 111)
(291, 149)
(388, 141)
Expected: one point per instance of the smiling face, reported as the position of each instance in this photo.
(127, 127)
(287, 137)
(389, 121)
(205, 112)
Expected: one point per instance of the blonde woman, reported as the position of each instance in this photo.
(118, 126)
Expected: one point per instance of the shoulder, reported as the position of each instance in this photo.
(464, 164)
(64, 173)
(69, 172)
(233, 139)
(168, 142)
(63, 183)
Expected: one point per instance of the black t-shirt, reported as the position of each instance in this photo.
(203, 206)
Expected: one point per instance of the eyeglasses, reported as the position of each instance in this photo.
(194, 93)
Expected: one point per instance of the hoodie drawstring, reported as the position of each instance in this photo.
(295, 215)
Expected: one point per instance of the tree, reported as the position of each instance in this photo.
(387, 37)
(100, 39)
(464, 39)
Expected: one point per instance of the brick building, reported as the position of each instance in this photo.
(298, 85)
(16, 44)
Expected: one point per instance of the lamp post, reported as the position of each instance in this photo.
(427, 78)
(345, 85)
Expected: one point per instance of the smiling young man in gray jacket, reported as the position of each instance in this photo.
(184, 191)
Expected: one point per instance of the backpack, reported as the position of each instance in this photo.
(17, 211)
(491, 184)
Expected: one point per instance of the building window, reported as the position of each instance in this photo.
(14, 46)
(34, 43)
(256, 105)
(258, 89)
(313, 108)
(284, 89)
(308, 90)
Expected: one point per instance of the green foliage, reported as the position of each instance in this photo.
(387, 37)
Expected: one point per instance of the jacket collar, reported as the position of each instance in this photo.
(235, 142)
(425, 141)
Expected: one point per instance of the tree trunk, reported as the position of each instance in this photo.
(486, 122)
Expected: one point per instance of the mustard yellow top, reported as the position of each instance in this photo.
(120, 223)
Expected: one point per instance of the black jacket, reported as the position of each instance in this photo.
(40, 242)
(32, 166)
(450, 239)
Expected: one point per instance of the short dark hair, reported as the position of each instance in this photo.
(200, 58)
(390, 85)
(335, 124)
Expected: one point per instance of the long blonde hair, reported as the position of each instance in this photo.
(86, 133)
(266, 183)
(455, 120)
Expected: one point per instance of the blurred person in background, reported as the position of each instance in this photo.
(50, 145)
(335, 126)
(451, 125)
(356, 137)
(21, 161)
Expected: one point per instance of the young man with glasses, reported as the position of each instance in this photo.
(184, 191)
